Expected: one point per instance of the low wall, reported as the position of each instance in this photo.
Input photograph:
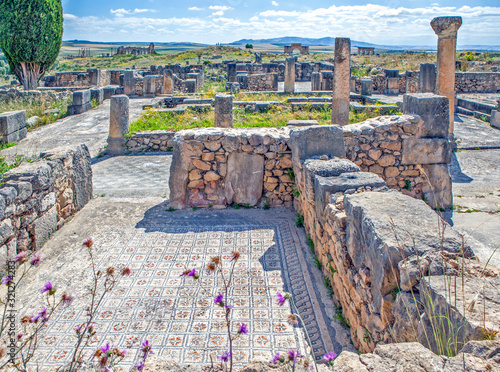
(475, 82)
(37, 198)
(91, 77)
(156, 140)
(262, 82)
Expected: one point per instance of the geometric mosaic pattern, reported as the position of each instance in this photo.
(176, 314)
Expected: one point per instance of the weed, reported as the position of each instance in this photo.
(318, 264)
(310, 243)
(395, 292)
(267, 205)
(340, 317)
(246, 206)
(407, 185)
(4, 145)
(194, 208)
(236, 206)
(171, 209)
(300, 220)
(367, 337)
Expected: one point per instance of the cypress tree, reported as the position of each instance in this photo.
(30, 37)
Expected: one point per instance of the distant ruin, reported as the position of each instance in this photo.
(365, 51)
(136, 51)
(301, 49)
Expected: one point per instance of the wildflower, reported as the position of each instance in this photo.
(228, 307)
(126, 271)
(329, 358)
(236, 255)
(105, 349)
(9, 278)
(243, 329)
(20, 336)
(293, 320)
(278, 358)
(281, 300)
(293, 355)
(48, 288)
(21, 257)
(192, 273)
(139, 365)
(26, 319)
(110, 270)
(66, 298)
(42, 316)
(36, 259)
(215, 260)
(219, 300)
(78, 329)
(88, 243)
(146, 348)
(224, 357)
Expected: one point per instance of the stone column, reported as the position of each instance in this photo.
(366, 87)
(118, 125)
(427, 78)
(231, 72)
(315, 81)
(446, 29)
(129, 83)
(290, 75)
(168, 83)
(341, 81)
(223, 111)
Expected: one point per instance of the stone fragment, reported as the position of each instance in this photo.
(118, 125)
(433, 109)
(201, 165)
(437, 189)
(211, 176)
(223, 111)
(426, 151)
(314, 141)
(245, 177)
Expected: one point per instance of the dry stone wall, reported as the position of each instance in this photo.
(262, 82)
(37, 198)
(216, 167)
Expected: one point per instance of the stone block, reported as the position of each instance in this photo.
(301, 123)
(129, 83)
(190, 86)
(12, 121)
(426, 151)
(427, 78)
(326, 186)
(223, 111)
(108, 92)
(315, 81)
(392, 85)
(81, 97)
(432, 109)
(366, 87)
(231, 72)
(245, 178)
(44, 226)
(384, 227)
(79, 109)
(318, 140)
(495, 119)
(97, 94)
(437, 189)
(15, 136)
(118, 126)
(82, 175)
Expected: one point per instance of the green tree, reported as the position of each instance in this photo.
(249, 46)
(30, 37)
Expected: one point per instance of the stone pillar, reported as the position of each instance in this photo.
(366, 87)
(258, 58)
(129, 83)
(495, 116)
(118, 125)
(446, 29)
(149, 86)
(341, 81)
(352, 83)
(290, 75)
(223, 111)
(315, 81)
(168, 83)
(12, 126)
(94, 76)
(231, 72)
(427, 78)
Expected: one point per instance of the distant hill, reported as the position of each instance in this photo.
(157, 45)
(330, 41)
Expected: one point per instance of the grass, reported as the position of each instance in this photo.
(37, 106)
(276, 116)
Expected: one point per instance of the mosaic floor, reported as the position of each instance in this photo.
(176, 314)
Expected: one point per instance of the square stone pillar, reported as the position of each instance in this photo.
(290, 75)
(366, 87)
(149, 86)
(231, 72)
(315, 81)
(118, 124)
(446, 29)
(129, 83)
(427, 78)
(341, 81)
(223, 111)
(168, 83)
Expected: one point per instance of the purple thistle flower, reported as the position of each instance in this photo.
(218, 299)
(293, 355)
(105, 349)
(329, 357)
(225, 356)
(36, 259)
(229, 307)
(281, 300)
(67, 298)
(47, 287)
(243, 329)
(21, 257)
(42, 315)
(139, 365)
(9, 278)
(192, 273)
(277, 358)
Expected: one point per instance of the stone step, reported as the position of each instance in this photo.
(475, 106)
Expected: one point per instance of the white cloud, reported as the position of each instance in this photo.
(194, 8)
(373, 23)
(274, 3)
(219, 7)
(144, 10)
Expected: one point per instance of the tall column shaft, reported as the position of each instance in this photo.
(341, 81)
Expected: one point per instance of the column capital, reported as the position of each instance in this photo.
(446, 27)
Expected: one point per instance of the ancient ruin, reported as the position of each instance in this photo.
(290, 49)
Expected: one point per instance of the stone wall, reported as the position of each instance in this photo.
(390, 147)
(37, 198)
(91, 77)
(475, 82)
(262, 82)
(156, 140)
(217, 167)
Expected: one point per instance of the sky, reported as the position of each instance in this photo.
(389, 22)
